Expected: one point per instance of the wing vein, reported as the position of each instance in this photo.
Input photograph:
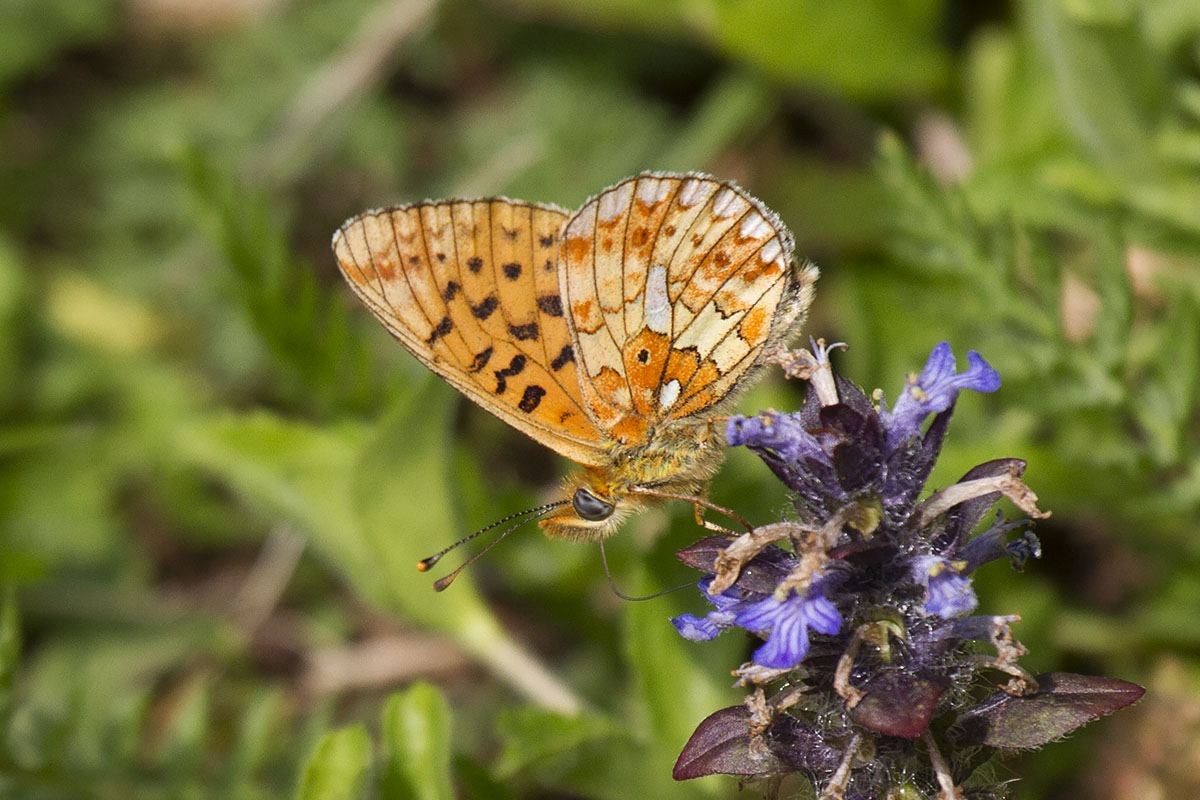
(737, 270)
(733, 367)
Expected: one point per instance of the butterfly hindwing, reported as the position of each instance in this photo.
(675, 285)
(465, 288)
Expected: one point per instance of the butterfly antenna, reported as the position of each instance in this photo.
(425, 564)
(612, 585)
(525, 516)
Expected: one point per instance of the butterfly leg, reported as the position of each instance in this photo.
(711, 526)
(697, 503)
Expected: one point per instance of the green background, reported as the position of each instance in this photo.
(216, 471)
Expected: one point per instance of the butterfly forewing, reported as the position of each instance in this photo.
(464, 286)
(704, 277)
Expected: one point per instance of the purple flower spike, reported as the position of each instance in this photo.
(789, 622)
(936, 389)
(875, 564)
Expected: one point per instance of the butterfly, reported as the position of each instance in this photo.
(612, 335)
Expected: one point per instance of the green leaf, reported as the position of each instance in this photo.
(531, 737)
(35, 31)
(10, 651)
(416, 742)
(337, 767)
(401, 499)
(737, 105)
(672, 694)
(870, 49)
(258, 732)
(813, 41)
(373, 503)
(1109, 88)
(182, 745)
(296, 470)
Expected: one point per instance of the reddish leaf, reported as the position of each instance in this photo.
(1064, 702)
(761, 574)
(721, 745)
(703, 554)
(899, 703)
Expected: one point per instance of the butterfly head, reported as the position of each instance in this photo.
(594, 509)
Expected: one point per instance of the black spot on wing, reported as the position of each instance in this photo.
(451, 291)
(547, 240)
(510, 233)
(524, 333)
(515, 367)
(530, 399)
(441, 329)
(512, 270)
(485, 308)
(475, 263)
(564, 357)
(550, 304)
(481, 360)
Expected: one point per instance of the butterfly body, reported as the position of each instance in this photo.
(679, 459)
(612, 335)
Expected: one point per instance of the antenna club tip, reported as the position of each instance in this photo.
(422, 566)
(441, 584)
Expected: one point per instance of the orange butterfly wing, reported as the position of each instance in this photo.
(471, 289)
(674, 286)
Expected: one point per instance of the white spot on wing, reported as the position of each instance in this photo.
(770, 251)
(653, 190)
(658, 306)
(754, 226)
(584, 224)
(727, 203)
(691, 193)
(614, 202)
(668, 394)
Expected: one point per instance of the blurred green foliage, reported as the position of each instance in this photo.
(188, 386)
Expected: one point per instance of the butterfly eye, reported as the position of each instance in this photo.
(588, 506)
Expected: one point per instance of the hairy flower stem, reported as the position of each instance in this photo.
(835, 789)
(945, 782)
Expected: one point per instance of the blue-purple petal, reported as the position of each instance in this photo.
(782, 433)
(823, 616)
(980, 376)
(695, 629)
(935, 390)
(765, 614)
(786, 646)
(950, 595)
(788, 622)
